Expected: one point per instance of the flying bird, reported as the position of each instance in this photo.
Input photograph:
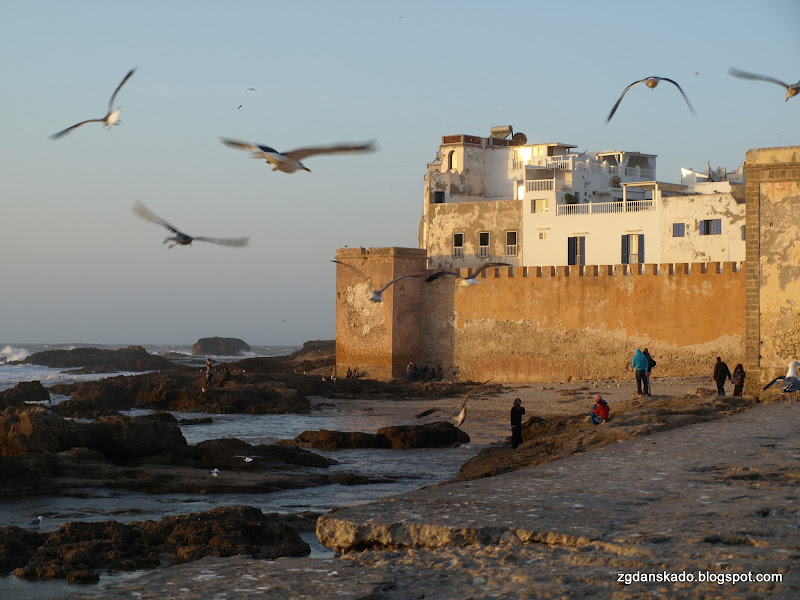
(111, 118)
(214, 472)
(248, 459)
(289, 162)
(791, 89)
(37, 521)
(462, 411)
(466, 281)
(650, 82)
(181, 238)
(791, 384)
(376, 295)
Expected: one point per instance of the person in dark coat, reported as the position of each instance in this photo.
(516, 422)
(721, 373)
(738, 380)
(650, 364)
(640, 365)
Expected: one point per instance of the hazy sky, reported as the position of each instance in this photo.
(76, 265)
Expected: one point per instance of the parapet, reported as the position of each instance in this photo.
(663, 269)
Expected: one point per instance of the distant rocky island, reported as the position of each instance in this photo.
(219, 346)
(101, 360)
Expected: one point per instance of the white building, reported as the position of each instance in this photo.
(501, 199)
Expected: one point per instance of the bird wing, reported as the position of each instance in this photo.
(472, 391)
(460, 417)
(359, 271)
(773, 382)
(301, 153)
(144, 212)
(425, 413)
(224, 241)
(489, 266)
(396, 279)
(55, 136)
(119, 87)
(439, 275)
(616, 104)
(756, 76)
(675, 83)
(258, 148)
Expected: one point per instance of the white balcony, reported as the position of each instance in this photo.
(605, 208)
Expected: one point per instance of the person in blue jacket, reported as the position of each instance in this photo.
(641, 365)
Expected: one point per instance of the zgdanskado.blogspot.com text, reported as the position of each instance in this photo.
(698, 577)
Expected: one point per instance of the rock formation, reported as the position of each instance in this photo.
(100, 360)
(219, 346)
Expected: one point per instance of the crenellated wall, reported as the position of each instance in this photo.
(542, 323)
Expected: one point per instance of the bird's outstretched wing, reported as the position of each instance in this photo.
(756, 76)
(462, 415)
(301, 153)
(119, 87)
(439, 275)
(773, 382)
(396, 279)
(359, 271)
(144, 212)
(621, 96)
(675, 83)
(255, 148)
(55, 136)
(490, 265)
(425, 413)
(237, 242)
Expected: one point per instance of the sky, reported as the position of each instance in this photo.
(77, 266)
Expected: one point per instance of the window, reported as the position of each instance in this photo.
(633, 248)
(483, 244)
(711, 227)
(542, 235)
(458, 245)
(452, 160)
(743, 234)
(678, 229)
(576, 250)
(438, 197)
(542, 205)
(511, 243)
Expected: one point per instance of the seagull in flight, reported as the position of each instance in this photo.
(466, 281)
(376, 295)
(111, 118)
(650, 82)
(289, 162)
(462, 413)
(248, 459)
(214, 472)
(181, 238)
(791, 89)
(36, 522)
(791, 384)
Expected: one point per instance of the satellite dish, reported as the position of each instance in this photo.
(615, 181)
(520, 137)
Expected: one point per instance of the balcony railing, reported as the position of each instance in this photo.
(605, 208)
(483, 251)
(458, 252)
(511, 250)
(539, 185)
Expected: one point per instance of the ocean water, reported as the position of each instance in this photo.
(412, 469)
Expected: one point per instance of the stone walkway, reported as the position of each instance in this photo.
(718, 501)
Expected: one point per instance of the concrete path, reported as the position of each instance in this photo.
(715, 504)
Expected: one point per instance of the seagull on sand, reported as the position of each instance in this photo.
(36, 522)
(650, 82)
(289, 162)
(466, 281)
(791, 384)
(791, 89)
(181, 238)
(111, 118)
(214, 472)
(462, 413)
(376, 295)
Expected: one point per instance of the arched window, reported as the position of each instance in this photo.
(452, 160)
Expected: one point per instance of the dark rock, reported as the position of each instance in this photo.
(132, 358)
(77, 551)
(219, 346)
(24, 391)
(17, 546)
(32, 429)
(339, 440)
(430, 435)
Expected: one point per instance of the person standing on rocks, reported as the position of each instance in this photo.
(738, 379)
(516, 422)
(208, 371)
(640, 365)
(721, 373)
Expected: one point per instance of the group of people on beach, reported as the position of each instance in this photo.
(722, 374)
(224, 376)
(643, 365)
(425, 374)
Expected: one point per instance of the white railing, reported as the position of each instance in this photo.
(605, 208)
(639, 172)
(564, 165)
(511, 250)
(458, 252)
(483, 251)
(539, 185)
(519, 164)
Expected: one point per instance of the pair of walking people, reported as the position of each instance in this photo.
(643, 364)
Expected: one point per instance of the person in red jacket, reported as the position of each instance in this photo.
(600, 411)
